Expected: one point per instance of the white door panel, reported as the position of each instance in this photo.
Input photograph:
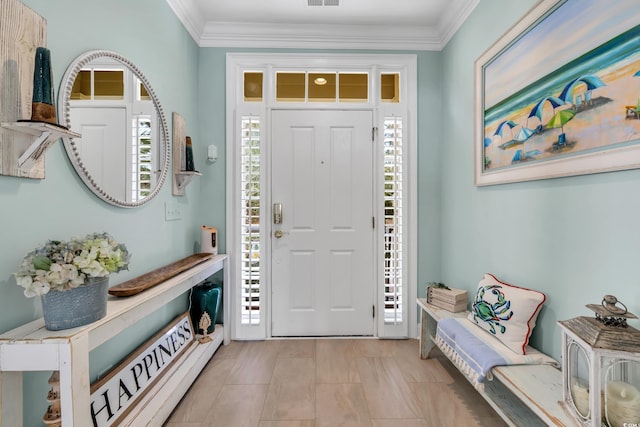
(105, 160)
(323, 265)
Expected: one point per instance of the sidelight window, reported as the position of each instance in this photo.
(250, 200)
(393, 221)
(141, 160)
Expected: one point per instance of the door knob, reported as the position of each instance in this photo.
(279, 233)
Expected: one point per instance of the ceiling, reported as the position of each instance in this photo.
(353, 24)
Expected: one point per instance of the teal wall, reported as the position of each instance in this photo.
(573, 238)
(211, 121)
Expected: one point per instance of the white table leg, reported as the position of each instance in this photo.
(425, 337)
(75, 398)
(11, 399)
(226, 297)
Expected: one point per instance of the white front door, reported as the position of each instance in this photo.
(322, 251)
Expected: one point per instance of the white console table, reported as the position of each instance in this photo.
(31, 347)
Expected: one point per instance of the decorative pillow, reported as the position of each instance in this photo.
(508, 312)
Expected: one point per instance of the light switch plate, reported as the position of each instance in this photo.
(172, 212)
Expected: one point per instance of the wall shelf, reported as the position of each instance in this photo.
(31, 347)
(17, 56)
(45, 135)
(181, 177)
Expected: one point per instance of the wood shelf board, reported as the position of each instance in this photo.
(512, 410)
(37, 128)
(539, 387)
(438, 313)
(45, 133)
(157, 276)
(120, 313)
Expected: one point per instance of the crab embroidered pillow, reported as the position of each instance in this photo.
(507, 312)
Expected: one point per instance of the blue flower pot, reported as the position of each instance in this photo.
(76, 307)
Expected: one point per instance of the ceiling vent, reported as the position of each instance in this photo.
(323, 2)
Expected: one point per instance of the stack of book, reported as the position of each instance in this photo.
(453, 300)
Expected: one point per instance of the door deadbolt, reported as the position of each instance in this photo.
(277, 213)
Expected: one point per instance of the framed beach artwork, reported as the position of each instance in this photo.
(559, 94)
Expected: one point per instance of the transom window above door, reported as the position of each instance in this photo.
(318, 86)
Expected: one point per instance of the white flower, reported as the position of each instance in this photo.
(70, 275)
(65, 265)
(32, 287)
(24, 281)
(36, 288)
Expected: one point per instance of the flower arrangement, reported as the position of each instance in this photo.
(62, 265)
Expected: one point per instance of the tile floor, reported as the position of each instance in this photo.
(330, 383)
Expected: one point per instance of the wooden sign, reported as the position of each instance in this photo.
(115, 395)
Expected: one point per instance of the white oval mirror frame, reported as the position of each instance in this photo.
(71, 148)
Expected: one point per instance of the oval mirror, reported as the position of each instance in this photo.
(123, 152)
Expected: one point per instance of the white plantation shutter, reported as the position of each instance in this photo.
(394, 285)
(250, 230)
(142, 174)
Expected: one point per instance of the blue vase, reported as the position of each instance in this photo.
(76, 307)
(206, 298)
(43, 106)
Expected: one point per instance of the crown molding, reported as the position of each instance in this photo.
(187, 12)
(320, 36)
(453, 19)
(317, 36)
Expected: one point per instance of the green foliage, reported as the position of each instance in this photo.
(437, 285)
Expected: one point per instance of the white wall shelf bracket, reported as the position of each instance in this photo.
(182, 179)
(46, 134)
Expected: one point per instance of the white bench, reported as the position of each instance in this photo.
(523, 395)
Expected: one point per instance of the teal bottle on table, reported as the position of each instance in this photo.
(43, 106)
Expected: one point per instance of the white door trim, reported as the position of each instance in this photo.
(237, 63)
